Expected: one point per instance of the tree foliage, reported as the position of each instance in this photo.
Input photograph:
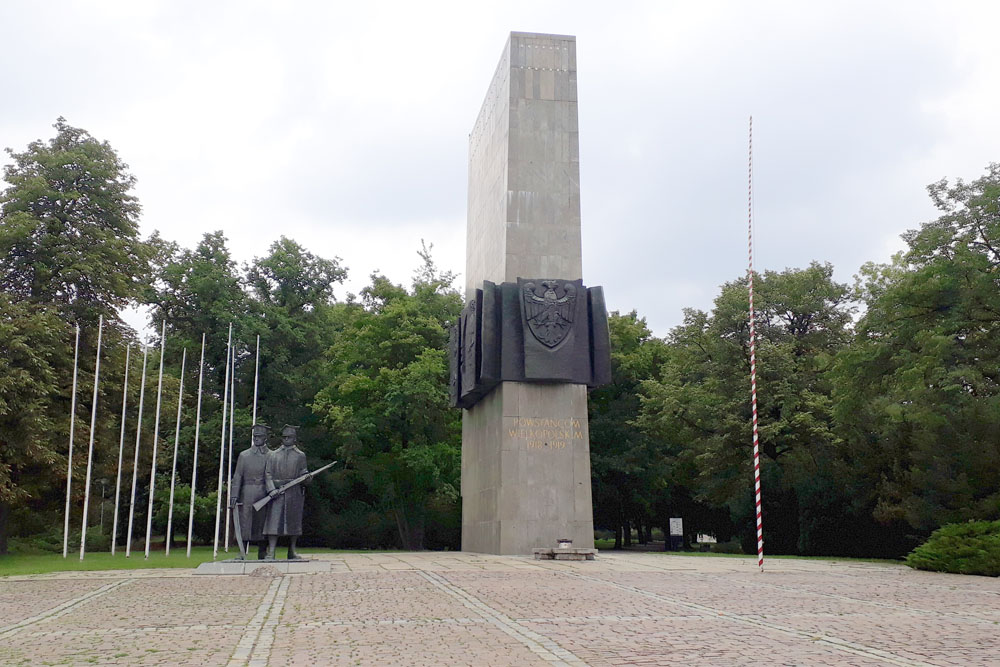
(702, 402)
(386, 398)
(70, 253)
(918, 393)
(627, 464)
(69, 234)
(292, 292)
(32, 362)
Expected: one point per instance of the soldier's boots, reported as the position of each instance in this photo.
(262, 551)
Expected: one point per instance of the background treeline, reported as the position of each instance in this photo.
(879, 405)
(874, 430)
(364, 377)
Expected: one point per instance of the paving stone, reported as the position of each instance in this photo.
(470, 609)
(20, 599)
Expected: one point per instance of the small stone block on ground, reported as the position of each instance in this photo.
(564, 553)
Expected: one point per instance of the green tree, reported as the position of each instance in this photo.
(204, 512)
(292, 278)
(627, 465)
(703, 402)
(69, 231)
(386, 398)
(69, 252)
(32, 361)
(292, 290)
(918, 394)
(200, 291)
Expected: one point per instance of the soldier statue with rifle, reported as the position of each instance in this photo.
(247, 488)
(285, 473)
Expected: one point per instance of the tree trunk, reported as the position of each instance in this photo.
(4, 515)
(411, 530)
(627, 528)
(618, 530)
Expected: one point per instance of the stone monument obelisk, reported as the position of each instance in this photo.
(532, 337)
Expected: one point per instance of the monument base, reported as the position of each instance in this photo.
(526, 469)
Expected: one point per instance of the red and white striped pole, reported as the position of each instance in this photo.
(753, 358)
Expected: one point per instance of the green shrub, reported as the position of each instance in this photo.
(51, 541)
(730, 547)
(961, 548)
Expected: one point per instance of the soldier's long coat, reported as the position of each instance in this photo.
(284, 513)
(248, 487)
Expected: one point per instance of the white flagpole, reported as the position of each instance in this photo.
(69, 458)
(121, 450)
(90, 447)
(197, 431)
(229, 462)
(177, 437)
(222, 446)
(135, 463)
(156, 433)
(256, 375)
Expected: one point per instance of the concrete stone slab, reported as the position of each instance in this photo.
(234, 567)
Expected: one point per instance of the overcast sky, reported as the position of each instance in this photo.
(345, 125)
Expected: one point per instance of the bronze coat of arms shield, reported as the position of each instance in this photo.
(549, 307)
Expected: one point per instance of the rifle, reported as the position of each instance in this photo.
(259, 505)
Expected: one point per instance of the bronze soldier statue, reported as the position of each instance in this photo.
(284, 512)
(248, 487)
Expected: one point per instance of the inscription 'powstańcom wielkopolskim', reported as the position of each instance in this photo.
(542, 433)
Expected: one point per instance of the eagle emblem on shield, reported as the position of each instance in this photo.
(549, 309)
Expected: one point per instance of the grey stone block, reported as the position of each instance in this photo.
(564, 553)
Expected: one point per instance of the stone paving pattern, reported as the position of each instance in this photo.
(470, 609)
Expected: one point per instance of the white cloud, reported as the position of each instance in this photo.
(344, 125)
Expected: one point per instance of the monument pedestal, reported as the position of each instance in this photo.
(526, 469)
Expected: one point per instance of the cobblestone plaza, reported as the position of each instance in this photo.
(468, 609)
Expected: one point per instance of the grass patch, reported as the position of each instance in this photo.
(960, 548)
(44, 563)
(711, 554)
